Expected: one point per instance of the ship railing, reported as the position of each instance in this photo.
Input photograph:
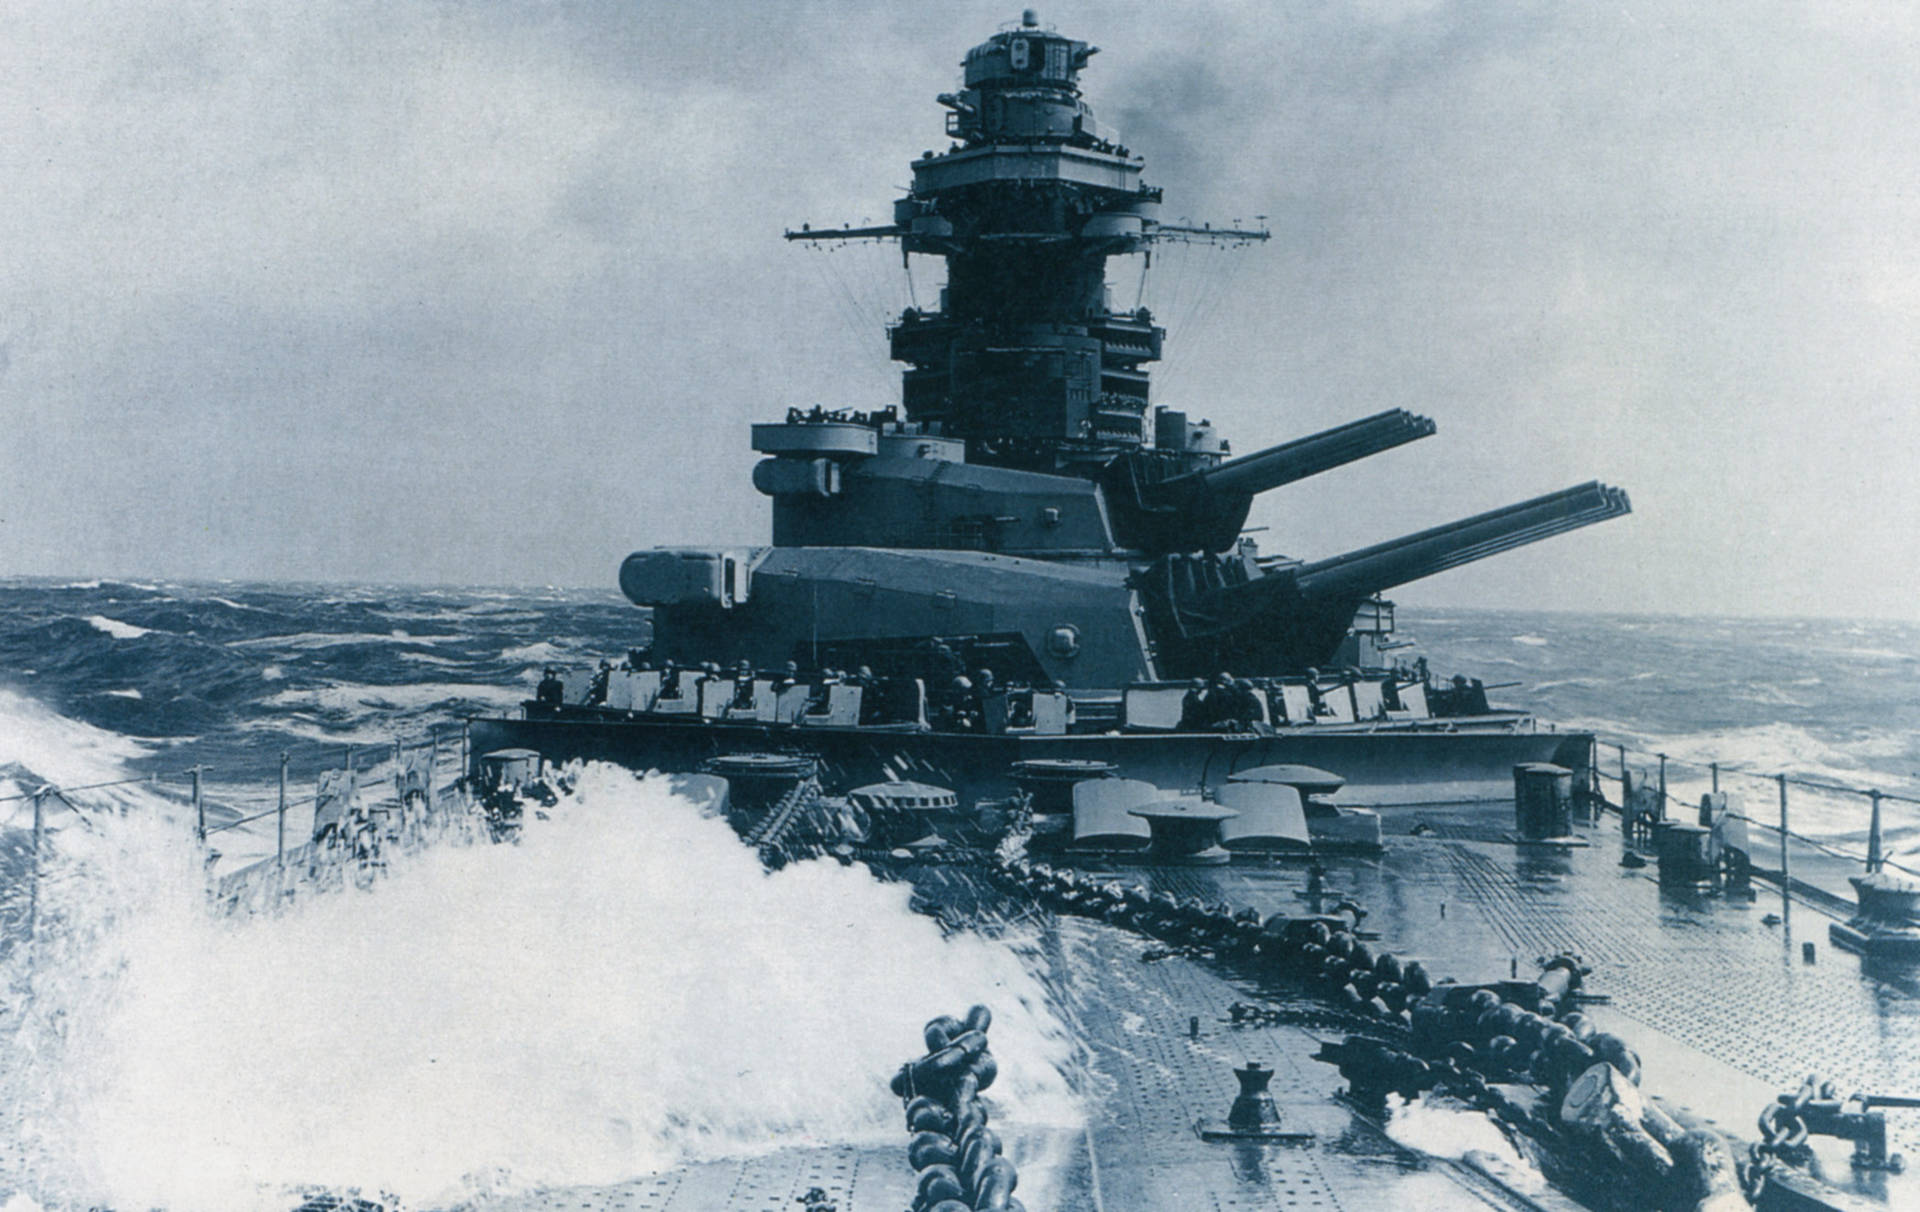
(1814, 864)
(419, 782)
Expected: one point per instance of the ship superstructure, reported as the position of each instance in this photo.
(1025, 498)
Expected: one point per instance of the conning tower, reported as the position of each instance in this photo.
(1024, 497)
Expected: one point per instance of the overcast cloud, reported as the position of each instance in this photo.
(476, 293)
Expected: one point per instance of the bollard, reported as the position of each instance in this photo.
(1542, 800)
(1193, 1027)
(1806, 953)
(1252, 1115)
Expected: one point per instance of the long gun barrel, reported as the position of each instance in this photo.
(1414, 556)
(1204, 510)
(1296, 617)
(1298, 459)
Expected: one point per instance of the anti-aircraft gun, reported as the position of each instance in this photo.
(1024, 497)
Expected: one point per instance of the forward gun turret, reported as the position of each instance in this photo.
(1209, 612)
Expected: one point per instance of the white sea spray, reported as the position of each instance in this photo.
(625, 989)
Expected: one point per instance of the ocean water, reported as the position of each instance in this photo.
(103, 678)
(625, 989)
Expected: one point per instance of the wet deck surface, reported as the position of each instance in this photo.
(1719, 1003)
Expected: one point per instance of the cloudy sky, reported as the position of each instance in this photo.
(453, 292)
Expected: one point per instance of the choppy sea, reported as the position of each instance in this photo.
(488, 1007)
(103, 678)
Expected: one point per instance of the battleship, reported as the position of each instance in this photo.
(1328, 929)
(1012, 644)
(1026, 562)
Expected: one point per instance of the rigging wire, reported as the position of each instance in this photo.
(845, 302)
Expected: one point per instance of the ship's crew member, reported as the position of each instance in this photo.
(1319, 704)
(669, 680)
(876, 696)
(983, 690)
(551, 689)
(820, 698)
(743, 684)
(1222, 705)
(640, 659)
(789, 678)
(1246, 704)
(946, 662)
(597, 691)
(959, 705)
(1193, 707)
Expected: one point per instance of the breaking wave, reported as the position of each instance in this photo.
(117, 629)
(624, 990)
(40, 746)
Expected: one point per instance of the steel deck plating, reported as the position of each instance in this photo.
(1718, 1000)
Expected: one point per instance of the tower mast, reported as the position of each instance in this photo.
(1025, 359)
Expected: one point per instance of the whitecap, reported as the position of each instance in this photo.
(1531, 641)
(309, 640)
(129, 693)
(428, 658)
(353, 698)
(117, 629)
(537, 653)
